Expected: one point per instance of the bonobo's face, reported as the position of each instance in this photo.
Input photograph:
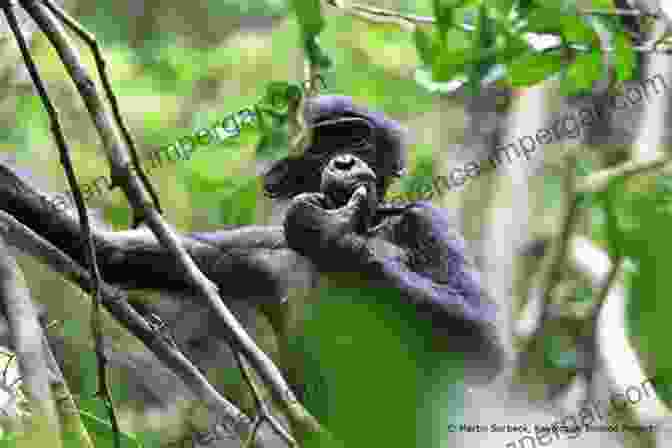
(341, 177)
(351, 147)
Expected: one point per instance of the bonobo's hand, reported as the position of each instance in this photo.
(313, 224)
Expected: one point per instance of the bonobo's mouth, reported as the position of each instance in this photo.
(339, 197)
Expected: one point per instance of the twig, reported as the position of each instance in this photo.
(263, 413)
(598, 181)
(64, 152)
(300, 418)
(115, 301)
(92, 42)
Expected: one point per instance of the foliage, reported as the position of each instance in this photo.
(474, 37)
(476, 41)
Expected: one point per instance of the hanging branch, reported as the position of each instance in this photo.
(303, 422)
(92, 42)
(103, 387)
(27, 340)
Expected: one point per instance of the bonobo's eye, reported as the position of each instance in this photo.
(343, 133)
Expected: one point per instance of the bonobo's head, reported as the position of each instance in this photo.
(351, 146)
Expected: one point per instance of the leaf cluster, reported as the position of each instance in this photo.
(482, 41)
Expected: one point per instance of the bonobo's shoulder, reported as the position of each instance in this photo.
(425, 218)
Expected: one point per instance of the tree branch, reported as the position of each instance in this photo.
(121, 174)
(115, 301)
(27, 339)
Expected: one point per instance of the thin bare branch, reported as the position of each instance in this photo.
(27, 339)
(115, 301)
(303, 422)
(66, 161)
(598, 181)
(92, 42)
(263, 413)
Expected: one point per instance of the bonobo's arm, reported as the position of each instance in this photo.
(418, 253)
(251, 263)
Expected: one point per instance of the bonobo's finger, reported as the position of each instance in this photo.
(314, 199)
(358, 196)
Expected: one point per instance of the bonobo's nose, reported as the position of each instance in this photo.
(343, 162)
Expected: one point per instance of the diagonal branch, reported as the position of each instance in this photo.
(598, 181)
(115, 301)
(301, 419)
(66, 161)
(100, 65)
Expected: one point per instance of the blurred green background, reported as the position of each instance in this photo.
(180, 66)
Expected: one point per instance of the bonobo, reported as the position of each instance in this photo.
(339, 220)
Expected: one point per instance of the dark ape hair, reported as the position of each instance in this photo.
(340, 126)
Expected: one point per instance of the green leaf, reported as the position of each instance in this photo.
(576, 30)
(511, 45)
(426, 45)
(277, 95)
(273, 145)
(452, 56)
(444, 11)
(543, 20)
(483, 48)
(625, 59)
(584, 71)
(418, 185)
(316, 55)
(451, 62)
(239, 205)
(551, 20)
(503, 7)
(524, 7)
(101, 432)
(614, 234)
(309, 15)
(533, 68)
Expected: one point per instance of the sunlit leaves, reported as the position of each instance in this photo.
(427, 44)
(533, 68)
(583, 72)
(625, 58)
(496, 33)
(272, 119)
(309, 15)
